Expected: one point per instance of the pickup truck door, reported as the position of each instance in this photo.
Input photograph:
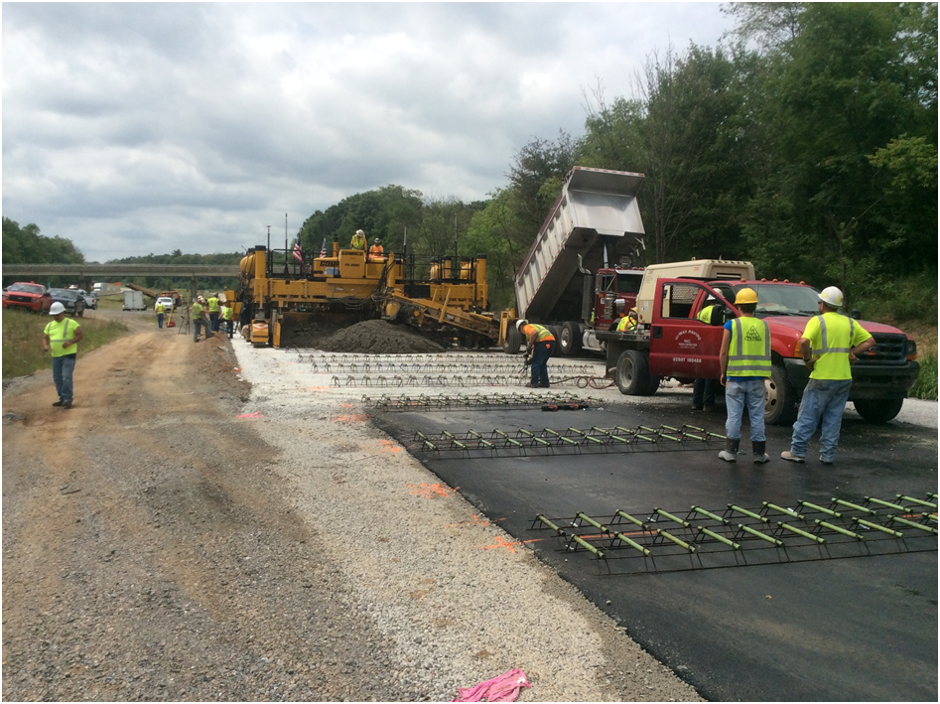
(681, 345)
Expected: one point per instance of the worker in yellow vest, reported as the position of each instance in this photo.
(215, 308)
(199, 318)
(745, 363)
(704, 390)
(628, 322)
(830, 344)
(358, 241)
(228, 315)
(61, 337)
(540, 343)
(160, 310)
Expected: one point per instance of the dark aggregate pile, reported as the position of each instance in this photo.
(366, 337)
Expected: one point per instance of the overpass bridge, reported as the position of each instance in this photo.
(86, 274)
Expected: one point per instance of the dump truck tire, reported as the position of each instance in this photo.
(570, 340)
(512, 340)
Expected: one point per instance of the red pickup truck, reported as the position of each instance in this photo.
(677, 344)
(31, 296)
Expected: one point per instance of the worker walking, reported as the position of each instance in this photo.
(540, 343)
(703, 390)
(160, 310)
(358, 241)
(61, 337)
(745, 363)
(215, 309)
(830, 345)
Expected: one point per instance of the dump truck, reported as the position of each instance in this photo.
(671, 341)
(442, 296)
(582, 261)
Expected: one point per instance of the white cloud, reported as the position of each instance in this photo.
(137, 128)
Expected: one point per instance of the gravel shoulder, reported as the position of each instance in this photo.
(214, 523)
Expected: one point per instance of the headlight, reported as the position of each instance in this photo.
(911, 350)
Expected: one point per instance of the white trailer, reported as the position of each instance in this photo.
(134, 300)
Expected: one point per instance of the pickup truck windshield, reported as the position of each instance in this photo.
(26, 288)
(784, 299)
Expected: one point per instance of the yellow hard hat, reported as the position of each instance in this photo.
(746, 295)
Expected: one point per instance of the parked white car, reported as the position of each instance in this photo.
(91, 300)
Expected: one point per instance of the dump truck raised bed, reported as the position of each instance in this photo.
(673, 342)
(581, 261)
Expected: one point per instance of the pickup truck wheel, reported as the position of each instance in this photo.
(512, 340)
(879, 410)
(653, 385)
(632, 374)
(570, 341)
(779, 399)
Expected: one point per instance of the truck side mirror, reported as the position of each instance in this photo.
(856, 314)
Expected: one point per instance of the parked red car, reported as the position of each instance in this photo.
(35, 297)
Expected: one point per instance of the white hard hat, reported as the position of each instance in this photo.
(56, 308)
(519, 324)
(831, 296)
(360, 232)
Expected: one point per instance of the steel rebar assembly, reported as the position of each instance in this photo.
(570, 441)
(736, 536)
(481, 402)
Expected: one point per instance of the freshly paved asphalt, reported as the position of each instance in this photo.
(857, 629)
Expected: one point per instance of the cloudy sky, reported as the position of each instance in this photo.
(138, 128)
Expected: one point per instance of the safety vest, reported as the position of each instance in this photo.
(59, 333)
(626, 324)
(228, 313)
(377, 249)
(197, 311)
(542, 333)
(749, 352)
(213, 305)
(358, 242)
(159, 309)
(706, 314)
(832, 336)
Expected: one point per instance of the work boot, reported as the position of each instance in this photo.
(824, 460)
(790, 457)
(760, 456)
(58, 403)
(730, 453)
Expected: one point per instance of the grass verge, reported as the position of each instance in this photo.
(926, 385)
(22, 340)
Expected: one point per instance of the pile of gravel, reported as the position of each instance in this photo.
(377, 337)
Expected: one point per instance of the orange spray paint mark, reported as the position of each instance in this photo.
(256, 414)
(351, 418)
(429, 491)
(501, 542)
(389, 446)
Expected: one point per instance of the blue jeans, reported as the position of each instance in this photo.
(540, 354)
(62, 368)
(823, 399)
(159, 320)
(214, 321)
(703, 393)
(197, 324)
(750, 394)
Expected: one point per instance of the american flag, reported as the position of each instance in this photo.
(298, 254)
(323, 248)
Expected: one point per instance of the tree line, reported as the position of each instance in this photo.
(806, 143)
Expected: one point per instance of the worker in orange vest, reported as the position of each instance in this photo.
(540, 343)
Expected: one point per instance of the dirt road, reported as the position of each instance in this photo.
(146, 554)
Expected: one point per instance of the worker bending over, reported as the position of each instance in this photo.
(358, 241)
(540, 343)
